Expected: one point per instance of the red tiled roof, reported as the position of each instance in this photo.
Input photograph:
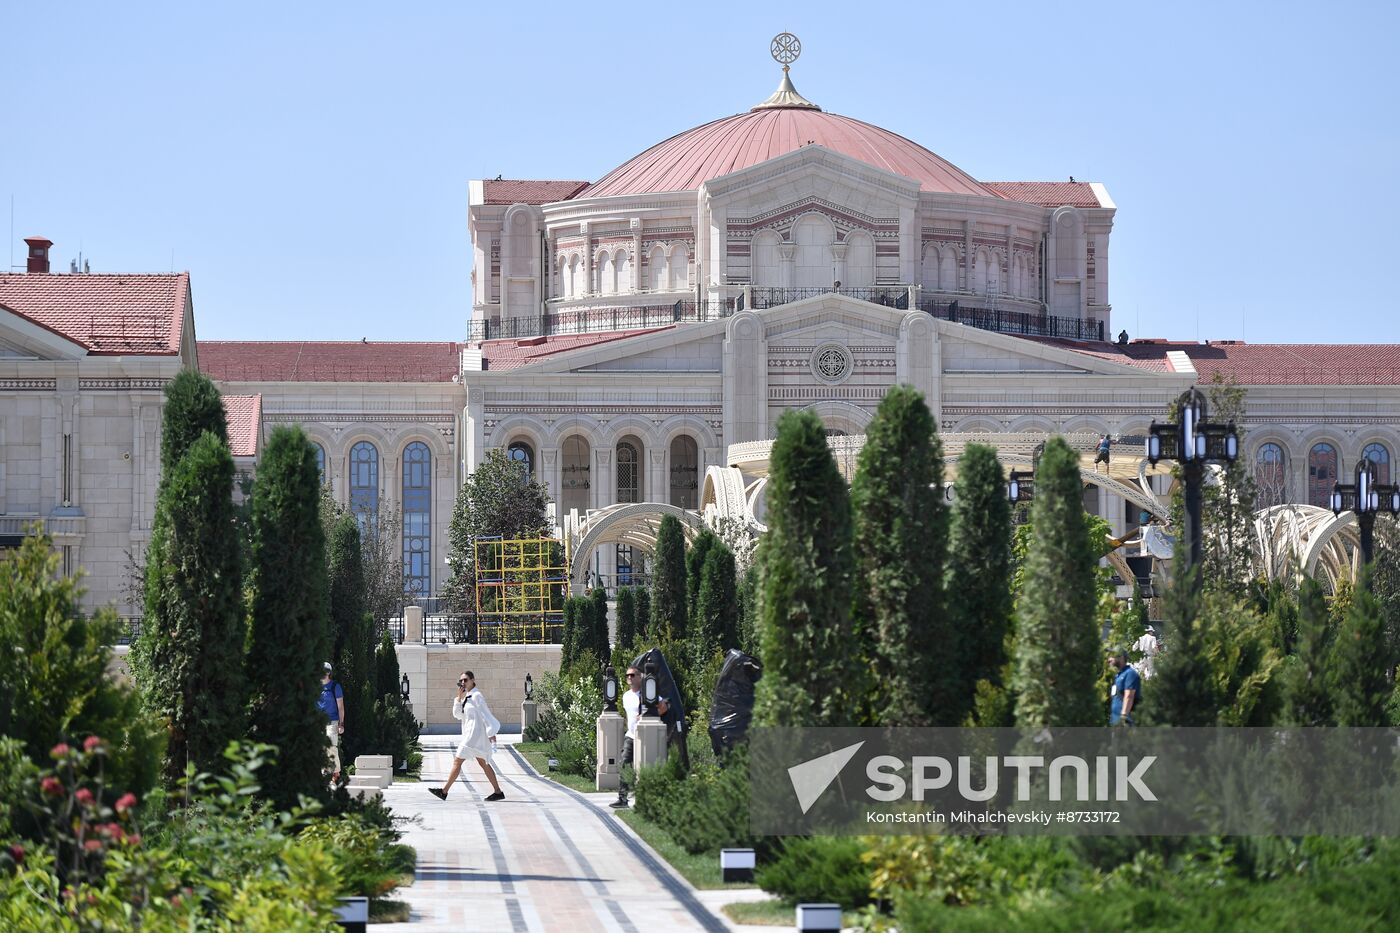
(110, 314)
(502, 355)
(1260, 364)
(1047, 193)
(244, 414)
(515, 191)
(685, 161)
(329, 361)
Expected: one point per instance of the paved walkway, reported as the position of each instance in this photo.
(544, 859)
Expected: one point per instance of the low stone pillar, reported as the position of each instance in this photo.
(413, 625)
(612, 729)
(650, 746)
(529, 712)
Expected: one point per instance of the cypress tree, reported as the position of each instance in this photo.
(192, 406)
(643, 619)
(1183, 693)
(901, 540)
(598, 616)
(290, 636)
(805, 583)
(1058, 653)
(695, 567)
(626, 617)
(1356, 670)
(189, 657)
(568, 651)
(345, 567)
(1307, 701)
(386, 668)
(668, 596)
(979, 569)
(717, 608)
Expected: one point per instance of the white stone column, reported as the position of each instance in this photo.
(658, 487)
(787, 271)
(910, 247)
(549, 475)
(587, 260)
(474, 430)
(636, 225)
(719, 245)
(838, 264)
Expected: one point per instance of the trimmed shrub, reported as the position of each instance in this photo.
(704, 810)
(817, 870)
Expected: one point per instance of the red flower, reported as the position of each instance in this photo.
(134, 839)
(125, 802)
(83, 796)
(17, 853)
(93, 845)
(60, 750)
(92, 743)
(51, 786)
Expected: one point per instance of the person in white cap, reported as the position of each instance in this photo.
(332, 703)
(479, 730)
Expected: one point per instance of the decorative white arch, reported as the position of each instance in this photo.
(1292, 538)
(632, 523)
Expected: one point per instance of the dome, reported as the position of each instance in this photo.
(685, 161)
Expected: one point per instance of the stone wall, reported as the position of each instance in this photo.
(500, 674)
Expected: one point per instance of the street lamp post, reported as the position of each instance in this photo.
(1193, 442)
(1366, 497)
(1020, 484)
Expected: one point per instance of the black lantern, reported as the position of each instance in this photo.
(529, 687)
(1366, 497)
(609, 690)
(1193, 442)
(403, 687)
(649, 692)
(1020, 486)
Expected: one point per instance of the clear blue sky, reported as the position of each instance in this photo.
(308, 162)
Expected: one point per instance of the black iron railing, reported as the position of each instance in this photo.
(891, 296)
(538, 630)
(596, 320)
(1024, 323)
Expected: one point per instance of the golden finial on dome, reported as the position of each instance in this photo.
(785, 49)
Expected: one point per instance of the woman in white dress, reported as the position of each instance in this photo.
(479, 730)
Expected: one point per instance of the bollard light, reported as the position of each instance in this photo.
(403, 687)
(609, 690)
(649, 692)
(529, 687)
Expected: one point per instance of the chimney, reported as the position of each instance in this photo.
(38, 254)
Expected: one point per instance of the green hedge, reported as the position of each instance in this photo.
(705, 810)
(818, 870)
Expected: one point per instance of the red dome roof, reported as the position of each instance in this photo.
(685, 161)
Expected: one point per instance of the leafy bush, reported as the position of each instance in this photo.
(705, 810)
(816, 870)
(569, 720)
(370, 859)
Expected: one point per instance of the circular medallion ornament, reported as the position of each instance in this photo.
(785, 48)
(831, 363)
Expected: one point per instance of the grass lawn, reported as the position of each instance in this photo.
(764, 913)
(701, 870)
(535, 753)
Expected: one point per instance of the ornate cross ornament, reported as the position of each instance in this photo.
(785, 49)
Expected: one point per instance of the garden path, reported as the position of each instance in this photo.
(545, 859)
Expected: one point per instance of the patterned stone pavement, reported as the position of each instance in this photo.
(544, 859)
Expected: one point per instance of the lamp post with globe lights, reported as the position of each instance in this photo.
(1365, 497)
(1193, 442)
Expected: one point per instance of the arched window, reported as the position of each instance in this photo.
(1380, 456)
(418, 519)
(678, 266)
(948, 270)
(522, 453)
(1322, 474)
(656, 269)
(571, 278)
(685, 472)
(860, 260)
(813, 234)
(1270, 476)
(606, 281)
(320, 461)
(629, 470)
(622, 268)
(767, 263)
(928, 275)
(576, 485)
(364, 485)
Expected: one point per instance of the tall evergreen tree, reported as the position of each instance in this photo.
(573, 637)
(979, 569)
(1182, 689)
(716, 622)
(626, 608)
(188, 659)
(901, 540)
(192, 406)
(347, 604)
(805, 583)
(386, 667)
(290, 636)
(640, 628)
(1058, 653)
(668, 596)
(1307, 701)
(598, 616)
(695, 567)
(1356, 670)
(498, 499)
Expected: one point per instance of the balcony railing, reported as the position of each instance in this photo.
(973, 311)
(596, 320)
(1023, 323)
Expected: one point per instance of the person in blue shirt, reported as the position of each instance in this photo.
(1102, 455)
(332, 703)
(1127, 691)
